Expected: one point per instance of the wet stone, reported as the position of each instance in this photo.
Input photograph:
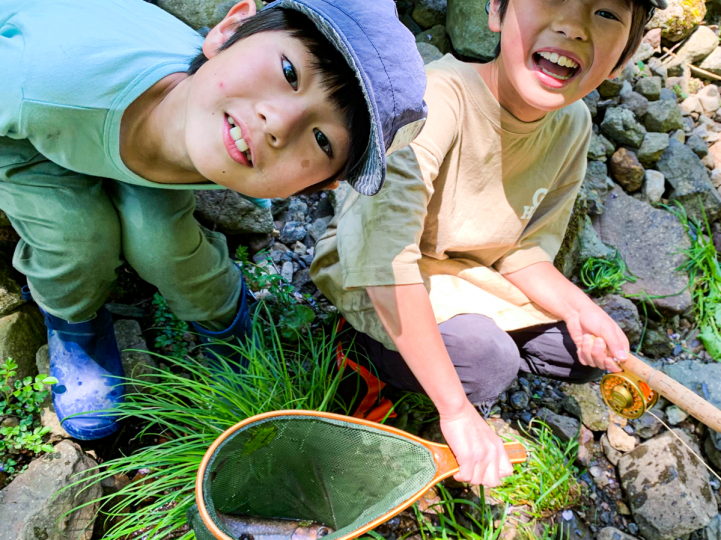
(519, 400)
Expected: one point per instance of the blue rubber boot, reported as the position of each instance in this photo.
(85, 360)
(239, 330)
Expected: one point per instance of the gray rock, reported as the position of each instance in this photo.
(668, 489)
(649, 87)
(643, 53)
(675, 415)
(519, 400)
(137, 364)
(232, 213)
(698, 145)
(301, 278)
(712, 62)
(279, 205)
(35, 506)
(679, 135)
(652, 148)
(563, 427)
(596, 186)
(668, 95)
(429, 53)
(704, 379)
(697, 47)
(647, 425)
(597, 148)
(635, 103)
(10, 294)
(590, 243)
(197, 13)
(318, 228)
(48, 417)
(626, 169)
(591, 100)
(620, 126)
(663, 116)
(650, 241)
(713, 454)
(437, 37)
(594, 412)
(611, 533)
(679, 19)
(429, 13)
(656, 343)
(654, 186)
(624, 312)
(292, 232)
(297, 210)
(689, 181)
(712, 531)
(609, 451)
(22, 333)
(467, 24)
(610, 87)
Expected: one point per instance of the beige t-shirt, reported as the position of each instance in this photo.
(478, 194)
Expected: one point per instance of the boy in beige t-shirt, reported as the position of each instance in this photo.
(446, 276)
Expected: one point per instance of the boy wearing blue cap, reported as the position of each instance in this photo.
(447, 275)
(107, 125)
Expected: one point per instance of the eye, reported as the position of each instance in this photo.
(607, 15)
(289, 73)
(323, 142)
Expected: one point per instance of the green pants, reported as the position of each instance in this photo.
(76, 230)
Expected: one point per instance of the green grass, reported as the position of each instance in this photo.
(605, 276)
(193, 411)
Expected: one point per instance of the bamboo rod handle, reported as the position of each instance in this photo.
(447, 464)
(675, 392)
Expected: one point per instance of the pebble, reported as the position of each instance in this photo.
(675, 415)
(519, 400)
(287, 271)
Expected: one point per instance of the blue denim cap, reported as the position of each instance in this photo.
(383, 54)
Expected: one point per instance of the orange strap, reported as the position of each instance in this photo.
(372, 407)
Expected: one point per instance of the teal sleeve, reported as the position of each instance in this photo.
(260, 203)
(11, 94)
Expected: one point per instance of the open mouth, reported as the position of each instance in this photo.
(559, 67)
(237, 146)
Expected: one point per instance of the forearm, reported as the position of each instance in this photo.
(546, 286)
(407, 316)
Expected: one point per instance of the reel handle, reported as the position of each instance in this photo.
(675, 392)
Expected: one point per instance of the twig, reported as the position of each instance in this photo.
(670, 51)
(696, 70)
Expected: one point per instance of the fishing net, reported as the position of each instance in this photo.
(341, 473)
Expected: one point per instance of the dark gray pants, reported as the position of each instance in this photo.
(486, 358)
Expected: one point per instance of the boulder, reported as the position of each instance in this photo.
(656, 343)
(587, 397)
(610, 87)
(644, 52)
(22, 333)
(704, 379)
(624, 313)
(590, 243)
(697, 145)
(318, 228)
(654, 186)
(232, 213)
(651, 242)
(710, 99)
(429, 53)
(712, 62)
(626, 169)
(649, 87)
(467, 24)
(712, 531)
(10, 294)
(563, 427)
(620, 126)
(435, 36)
(597, 148)
(591, 100)
(652, 148)
(679, 19)
(663, 116)
(36, 506)
(634, 102)
(596, 186)
(675, 415)
(668, 489)
(429, 13)
(137, 364)
(292, 232)
(697, 47)
(689, 181)
(198, 13)
(611, 533)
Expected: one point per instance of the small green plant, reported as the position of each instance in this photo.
(547, 481)
(680, 93)
(170, 329)
(22, 400)
(605, 276)
(285, 308)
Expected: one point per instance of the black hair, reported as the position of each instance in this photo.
(337, 77)
(640, 10)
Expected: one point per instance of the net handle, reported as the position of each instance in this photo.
(446, 464)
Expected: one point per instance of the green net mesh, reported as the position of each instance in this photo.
(341, 474)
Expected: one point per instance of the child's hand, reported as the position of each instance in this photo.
(598, 338)
(479, 451)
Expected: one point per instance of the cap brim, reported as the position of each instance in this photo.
(368, 176)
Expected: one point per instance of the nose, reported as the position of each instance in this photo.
(281, 119)
(572, 21)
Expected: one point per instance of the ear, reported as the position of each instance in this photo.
(494, 17)
(225, 29)
(332, 186)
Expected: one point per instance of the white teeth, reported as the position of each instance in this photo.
(554, 58)
(236, 133)
(241, 145)
(231, 121)
(560, 60)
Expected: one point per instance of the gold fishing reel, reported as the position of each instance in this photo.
(627, 395)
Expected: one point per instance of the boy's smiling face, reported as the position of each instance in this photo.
(554, 52)
(258, 120)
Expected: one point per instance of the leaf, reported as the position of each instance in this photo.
(711, 341)
(260, 437)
